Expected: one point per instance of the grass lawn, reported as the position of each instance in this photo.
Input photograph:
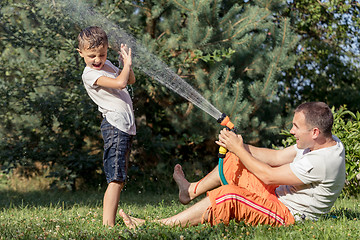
(45, 214)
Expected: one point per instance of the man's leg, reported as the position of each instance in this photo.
(189, 217)
(111, 201)
(188, 191)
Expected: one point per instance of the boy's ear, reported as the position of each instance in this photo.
(79, 51)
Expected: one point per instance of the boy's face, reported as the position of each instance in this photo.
(95, 57)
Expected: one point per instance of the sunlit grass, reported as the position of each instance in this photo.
(46, 214)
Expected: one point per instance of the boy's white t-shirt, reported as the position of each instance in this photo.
(323, 174)
(114, 104)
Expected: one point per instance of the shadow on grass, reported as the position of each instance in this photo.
(67, 199)
(342, 213)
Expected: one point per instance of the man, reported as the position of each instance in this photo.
(266, 186)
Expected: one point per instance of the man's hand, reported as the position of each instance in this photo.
(230, 140)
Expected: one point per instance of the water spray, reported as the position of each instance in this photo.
(146, 62)
(142, 59)
(224, 120)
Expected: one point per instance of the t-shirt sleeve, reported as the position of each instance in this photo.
(90, 78)
(307, 169)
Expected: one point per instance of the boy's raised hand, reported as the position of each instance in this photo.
(125, 55)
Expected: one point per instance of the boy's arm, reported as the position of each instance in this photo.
(119, 82)
(132, 79)
(125, 77)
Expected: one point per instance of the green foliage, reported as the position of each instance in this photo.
(231, 52)
(45, 112)
(328, 63)
(347, 128)
(240, 55)
(216, 56)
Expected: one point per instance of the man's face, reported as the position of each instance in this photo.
(302, 132)
(95, 57)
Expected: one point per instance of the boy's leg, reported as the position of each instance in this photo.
(117, 145)
(111, 201)
(188, 191)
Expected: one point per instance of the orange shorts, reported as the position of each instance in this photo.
(245, 198)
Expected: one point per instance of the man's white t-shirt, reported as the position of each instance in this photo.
(323, 174)
(114, 104)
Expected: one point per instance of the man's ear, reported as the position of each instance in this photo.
(79, 51)
(315, 132)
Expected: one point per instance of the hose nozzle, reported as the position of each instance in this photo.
(224, 120)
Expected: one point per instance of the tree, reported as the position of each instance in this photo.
(232, 53)
(328, 65)
(45, 114)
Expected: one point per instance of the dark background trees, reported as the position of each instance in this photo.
(254, 60)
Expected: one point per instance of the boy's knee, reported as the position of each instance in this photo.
(117, 184)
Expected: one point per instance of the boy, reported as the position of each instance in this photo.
(106, 86)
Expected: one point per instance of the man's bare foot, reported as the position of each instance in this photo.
(182, 183)
(130, 222)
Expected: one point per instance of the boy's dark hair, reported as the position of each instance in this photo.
(317, 114)
(92, 37)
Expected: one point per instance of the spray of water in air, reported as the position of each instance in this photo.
(143, 60)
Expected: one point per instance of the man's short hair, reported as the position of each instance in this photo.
(317, 114)
(92, 37)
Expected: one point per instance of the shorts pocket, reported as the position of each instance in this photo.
(108, 134)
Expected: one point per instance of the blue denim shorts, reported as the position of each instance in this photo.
(117, 147)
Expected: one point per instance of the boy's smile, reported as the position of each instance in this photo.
(94, 57)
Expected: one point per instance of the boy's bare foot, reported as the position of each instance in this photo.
(182, 183)
(130, 222)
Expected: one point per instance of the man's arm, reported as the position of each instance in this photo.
(268, 169)
(272, 157)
